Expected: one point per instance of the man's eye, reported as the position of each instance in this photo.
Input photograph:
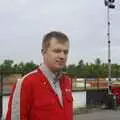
(66, 52)
(57, 51)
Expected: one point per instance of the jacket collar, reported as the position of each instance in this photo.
(49, 74)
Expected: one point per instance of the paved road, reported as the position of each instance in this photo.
(100, 115)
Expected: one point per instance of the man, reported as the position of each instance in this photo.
(45, 93)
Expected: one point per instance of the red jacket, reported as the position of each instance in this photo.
(38, 101)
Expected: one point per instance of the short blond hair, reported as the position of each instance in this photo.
(60, 37)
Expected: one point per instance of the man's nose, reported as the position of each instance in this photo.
(62, 55)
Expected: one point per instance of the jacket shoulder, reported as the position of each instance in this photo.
(67, 77)
(67, 81)
(30, 77)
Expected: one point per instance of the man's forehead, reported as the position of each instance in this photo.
(56, 44)
(59, 46)
(55, 40)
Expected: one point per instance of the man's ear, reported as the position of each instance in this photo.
(43, 51)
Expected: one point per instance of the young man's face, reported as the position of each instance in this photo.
(55, 56)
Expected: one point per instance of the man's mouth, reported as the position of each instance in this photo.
(60, 62)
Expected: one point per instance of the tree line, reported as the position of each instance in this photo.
(82, 69)
(9, 67)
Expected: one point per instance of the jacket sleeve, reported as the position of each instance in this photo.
(25, 100)
(8, 115)
(19, 103)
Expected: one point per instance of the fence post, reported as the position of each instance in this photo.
(1, 95)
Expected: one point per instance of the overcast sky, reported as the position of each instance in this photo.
(24, 22)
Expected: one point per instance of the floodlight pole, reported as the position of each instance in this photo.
(109, 4)
(109, 51)
(111, 103)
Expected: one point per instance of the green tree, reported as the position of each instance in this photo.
(28, 67)
(7, 67)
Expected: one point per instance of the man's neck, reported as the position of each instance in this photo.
(58, 74)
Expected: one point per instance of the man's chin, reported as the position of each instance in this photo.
(59, 68)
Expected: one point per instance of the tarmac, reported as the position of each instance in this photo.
(101, 114)
(97, 114)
